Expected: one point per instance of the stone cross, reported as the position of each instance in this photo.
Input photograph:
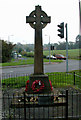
(38, 19)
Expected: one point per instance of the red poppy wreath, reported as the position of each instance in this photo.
(37, 86)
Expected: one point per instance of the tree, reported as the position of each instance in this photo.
(18, 48)
(7, 48)
(71, 45)
(61, 46)
(80, 41)
(24, 47)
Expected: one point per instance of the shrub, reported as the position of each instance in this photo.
(23, 53)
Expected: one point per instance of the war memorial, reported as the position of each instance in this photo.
(38, 98)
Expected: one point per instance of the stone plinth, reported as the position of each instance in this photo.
(42, 78)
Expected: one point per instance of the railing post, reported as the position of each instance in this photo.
(74, 78)
(24, 106)
(66, 104)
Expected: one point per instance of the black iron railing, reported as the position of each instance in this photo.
(13, 87)
(57, 79)
(64, 105)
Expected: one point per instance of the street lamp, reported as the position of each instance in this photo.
(49, 47)
(9, 37)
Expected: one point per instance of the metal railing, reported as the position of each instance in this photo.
(13, 87)
(57, 79)
(64, 105)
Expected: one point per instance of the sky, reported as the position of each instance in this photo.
(13, 26)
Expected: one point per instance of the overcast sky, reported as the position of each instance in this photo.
(13, 26)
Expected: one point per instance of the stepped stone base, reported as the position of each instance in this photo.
(44, 79)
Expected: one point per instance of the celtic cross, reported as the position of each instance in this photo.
(38, 19)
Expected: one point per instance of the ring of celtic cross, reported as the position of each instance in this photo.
(33, 14)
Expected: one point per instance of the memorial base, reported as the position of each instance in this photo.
(45, 100)
(44, 79)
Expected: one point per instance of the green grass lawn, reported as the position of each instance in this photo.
(72, 53)
(26, 62)
(60, 79)
(15, 82)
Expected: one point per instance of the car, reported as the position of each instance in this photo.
(19, 56)
(51, 57)
(61, 57)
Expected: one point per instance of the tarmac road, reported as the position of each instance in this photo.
(52, 67)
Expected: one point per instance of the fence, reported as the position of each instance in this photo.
(57, 79)
(66, 105)
(18, 106)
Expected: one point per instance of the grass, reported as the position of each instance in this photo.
(15, 82)
(58, 80)
(25, 62)
(61, 79)
(19, 62)
(72, 53)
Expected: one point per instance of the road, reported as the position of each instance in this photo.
(53, 67)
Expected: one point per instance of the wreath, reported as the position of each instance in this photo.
(37, 86)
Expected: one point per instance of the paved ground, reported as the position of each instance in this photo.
(53, 67)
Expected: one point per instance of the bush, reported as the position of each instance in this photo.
(7, 48)
(23, 53)
(30, 54)
(27, 54)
